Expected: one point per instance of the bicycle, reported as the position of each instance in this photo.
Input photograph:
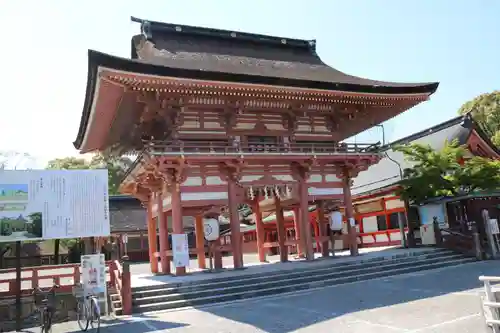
(47, 306)
(88, 311)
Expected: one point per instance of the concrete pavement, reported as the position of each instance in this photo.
(441, 301)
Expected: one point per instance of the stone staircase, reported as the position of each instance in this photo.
(242, 286)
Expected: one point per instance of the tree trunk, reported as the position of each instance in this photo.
(56, 252)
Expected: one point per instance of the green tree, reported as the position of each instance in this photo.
(36, 219)
(117, 167)
(485, 109)
(439, 173)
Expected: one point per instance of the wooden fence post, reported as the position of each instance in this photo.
(126, 289)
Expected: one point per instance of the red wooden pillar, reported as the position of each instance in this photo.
(217, 254)
(304, 220)
(349, 214)
(151, 223)
(280, 226)
(177, 225)
(162, 223)
(322, 228)
(200, 241)
(316, 235)
(234, 220)
(298, 237)
(259, 230)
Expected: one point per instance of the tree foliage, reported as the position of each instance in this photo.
(117, 167)
(485, 110)
(438, 173)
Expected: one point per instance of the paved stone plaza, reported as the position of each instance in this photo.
(442, 301)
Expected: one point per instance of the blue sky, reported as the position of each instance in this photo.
(44, 52)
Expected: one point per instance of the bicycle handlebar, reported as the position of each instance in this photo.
(40, 290)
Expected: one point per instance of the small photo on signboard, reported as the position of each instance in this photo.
(20, 225)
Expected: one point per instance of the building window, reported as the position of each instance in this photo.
(381, 223)
(394, 221)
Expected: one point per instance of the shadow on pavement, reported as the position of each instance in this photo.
(136, 325)
(289, 313)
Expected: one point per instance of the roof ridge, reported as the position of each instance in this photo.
(148, 26)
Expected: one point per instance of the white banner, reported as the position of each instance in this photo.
(52, 204)
(180, 249)
(93, 273)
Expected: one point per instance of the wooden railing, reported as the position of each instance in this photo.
(67, 276)
(456, 240)
(121, 280)
(223, 148)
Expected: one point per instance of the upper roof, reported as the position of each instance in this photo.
(250, 58)
(387, 171)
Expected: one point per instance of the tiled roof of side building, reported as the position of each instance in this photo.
(387, 172)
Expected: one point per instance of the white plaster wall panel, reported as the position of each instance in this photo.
(370, 224)
(303, 128)
(317, 178)
(192, 181)
(386, 172)
(395, 236)
(324, 191)
(332, 178)
(275, 127)
(381, 238)
(188, 222)
(204, 196)
(393, 204)
(249, 178)
(244, 126)
(211, 125)
(215, 180)
(284, 178)
(368, 239)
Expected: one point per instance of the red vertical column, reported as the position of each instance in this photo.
(162, 224)
(152, 234)
(298, 229)
(177, 226)
(200, 241)
(280, 226)
(322, 228)
(349, 213)
(304, 217)
(234, 220)
(259, 230)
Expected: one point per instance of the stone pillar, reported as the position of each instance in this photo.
(320, 210)
(200, 242)
(177, 225)
(152, 235)
(259, 229)
(234, 220)
(280, 226)
(298, 229)
(162, 225)
(349, 213)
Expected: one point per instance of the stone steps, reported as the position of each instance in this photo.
(196, 293)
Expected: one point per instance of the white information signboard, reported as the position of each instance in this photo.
(493, 224)
(53, 204)
(180, 249)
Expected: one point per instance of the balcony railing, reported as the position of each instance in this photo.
(223, 148)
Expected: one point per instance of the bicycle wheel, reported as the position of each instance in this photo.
(81, 315)
(47, 321)
(95, 312)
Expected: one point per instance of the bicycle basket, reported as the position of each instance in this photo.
(44, 299)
